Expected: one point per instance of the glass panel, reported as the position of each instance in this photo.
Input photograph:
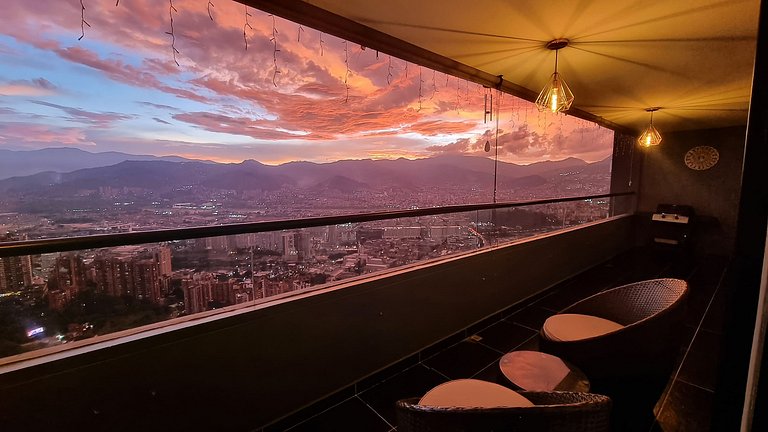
(55, 299)
(299, 124)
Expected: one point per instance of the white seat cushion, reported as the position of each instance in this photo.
(472, 393)
(572, 327)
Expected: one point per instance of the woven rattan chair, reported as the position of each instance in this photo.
(631, 365)
(650, 312)
(553, 412)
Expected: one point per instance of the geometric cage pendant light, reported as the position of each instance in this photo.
(650, 135)
(555, 96)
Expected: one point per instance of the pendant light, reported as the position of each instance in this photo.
(556, 96)
(650, 136)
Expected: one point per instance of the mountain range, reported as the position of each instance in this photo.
(15, 163)
(170, 173)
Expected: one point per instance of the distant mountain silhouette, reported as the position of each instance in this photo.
(342, 176)
(64, 159)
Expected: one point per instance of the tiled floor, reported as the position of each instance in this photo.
(685, 405)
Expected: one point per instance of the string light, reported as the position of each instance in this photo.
(174, 51)
(210, 5)
(322, 44)
(346, 74)
(420, 88)
(83, 22)
(301, 30)
(458, 95)
(434, 84)
(247, 25)
(273, 39)
(389, 71)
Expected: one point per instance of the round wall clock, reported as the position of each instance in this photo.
(701, 158)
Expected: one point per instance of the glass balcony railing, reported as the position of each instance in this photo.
(59, 293)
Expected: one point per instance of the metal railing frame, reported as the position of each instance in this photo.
(65, 244)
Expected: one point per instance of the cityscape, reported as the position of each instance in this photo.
(53, 299)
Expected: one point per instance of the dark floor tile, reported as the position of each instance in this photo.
(505, 336)
(462, 360)
(714, 320)
(312, 410)
(594, 280)
(562, 299)
(531, 344)
(697, 304)
(700, 368)
(532, 317)
(707, 342)
(483, 324)
(491, 373)
(687, 409)
(351, 415)
(413, 382)
(387, 373)
(442, 345)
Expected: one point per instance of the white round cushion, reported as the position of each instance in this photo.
(573, 327)
(472, 393)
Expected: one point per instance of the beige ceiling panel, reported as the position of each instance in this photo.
(692, 58)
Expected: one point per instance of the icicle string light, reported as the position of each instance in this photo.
(466, 92)
(172, 34)
(421, 95)
(210, 5)
(458, 96)
(346, 73)
(322, 44)
(301, 30)
(273, 39)
(389, 71)
(434, 84)
(247, 25)
(117, 3)
(406, 70)
(83, 22)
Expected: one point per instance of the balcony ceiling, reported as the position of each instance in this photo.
(692, 58)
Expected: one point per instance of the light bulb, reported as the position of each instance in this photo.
(554, 101)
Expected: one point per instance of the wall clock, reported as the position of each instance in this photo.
(701, 158)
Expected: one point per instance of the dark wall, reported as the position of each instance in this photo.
(246, 369)
(713, 193)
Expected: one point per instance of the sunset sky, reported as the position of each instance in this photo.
(119, 89)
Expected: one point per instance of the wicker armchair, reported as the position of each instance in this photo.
(552, 412)
(650, 312)
(631, 365)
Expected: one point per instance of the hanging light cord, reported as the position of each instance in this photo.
(556, 51)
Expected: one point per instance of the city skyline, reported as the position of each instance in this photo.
(288, 97)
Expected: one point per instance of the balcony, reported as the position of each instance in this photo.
(336, 356)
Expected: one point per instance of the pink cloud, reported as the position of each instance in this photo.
(42, 134)
(33, 87)
(94, 119)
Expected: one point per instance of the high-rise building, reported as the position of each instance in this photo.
(146, 280)
(162, 254)
(296, 246)
(69, 272)
(15, 273)
(114, 275)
